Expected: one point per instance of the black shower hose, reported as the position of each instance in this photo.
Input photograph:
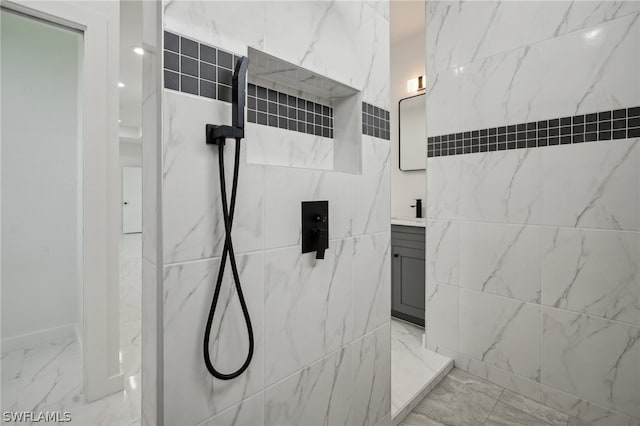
(227, 212)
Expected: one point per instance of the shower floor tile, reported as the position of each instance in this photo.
(414, 369)
(463, 399)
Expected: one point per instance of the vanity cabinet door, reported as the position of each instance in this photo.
(408, 283)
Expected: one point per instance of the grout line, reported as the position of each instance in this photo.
(491, 412)
(543, 306)
(539, 225)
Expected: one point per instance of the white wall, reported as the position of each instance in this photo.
(407, 61)
(130, 155)
(39, 176)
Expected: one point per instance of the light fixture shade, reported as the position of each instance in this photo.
(415, 84)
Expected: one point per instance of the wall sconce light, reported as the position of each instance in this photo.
(415, 84)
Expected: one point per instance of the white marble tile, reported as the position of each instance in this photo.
(499, 376)
(592, 358)
(501, 259)
(372, 376)
(371, 282)
(595, 69)
(191, 394)
(501, 186)
(488, 28)
(593, 272)
(120, 409)
(321, 393)
(282, 207)
(308, 307)
(587, 412)
(11, 365)
(501, 332)
(192, 210)
(372, 198)
(442, 318)
(444, 176)
(442, 252)
(501, 89)
(583, 14)
(443, 102)
(216, 23)
(414, 369)
(442, 18)
(279, 147)
(48, 378)
(44, 376)
(318, 26)
(469, 31)
(381, 7)
(249, 412)
(592, 185)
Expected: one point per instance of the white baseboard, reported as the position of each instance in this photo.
(50, 335)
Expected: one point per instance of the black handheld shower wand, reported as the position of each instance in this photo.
(217, 135)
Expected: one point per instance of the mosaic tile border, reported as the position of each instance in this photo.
(601, 126)
(276, 109)
(197, 68)
(375, 121)
(203, 70)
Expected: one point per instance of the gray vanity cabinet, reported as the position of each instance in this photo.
(407, 273)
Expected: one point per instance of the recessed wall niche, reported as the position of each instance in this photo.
(325, 114)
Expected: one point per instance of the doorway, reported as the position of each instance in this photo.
(59, 213)
(42, 292)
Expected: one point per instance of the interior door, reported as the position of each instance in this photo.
(131, 200)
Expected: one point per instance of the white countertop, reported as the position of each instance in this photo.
(408, 221)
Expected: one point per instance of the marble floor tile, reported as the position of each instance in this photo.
(452, 403)
(507, 415)
(465, 399)
(418, 419)
(540, 411)
(476, 383)
(48, 377)
(414, 369)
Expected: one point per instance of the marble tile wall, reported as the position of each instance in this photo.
(533, 255)
(322, 337)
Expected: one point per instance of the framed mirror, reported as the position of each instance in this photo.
(413, 133)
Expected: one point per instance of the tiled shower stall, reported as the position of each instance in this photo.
(533, 199)
(321, 326)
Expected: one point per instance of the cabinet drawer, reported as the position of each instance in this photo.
(408, 236)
